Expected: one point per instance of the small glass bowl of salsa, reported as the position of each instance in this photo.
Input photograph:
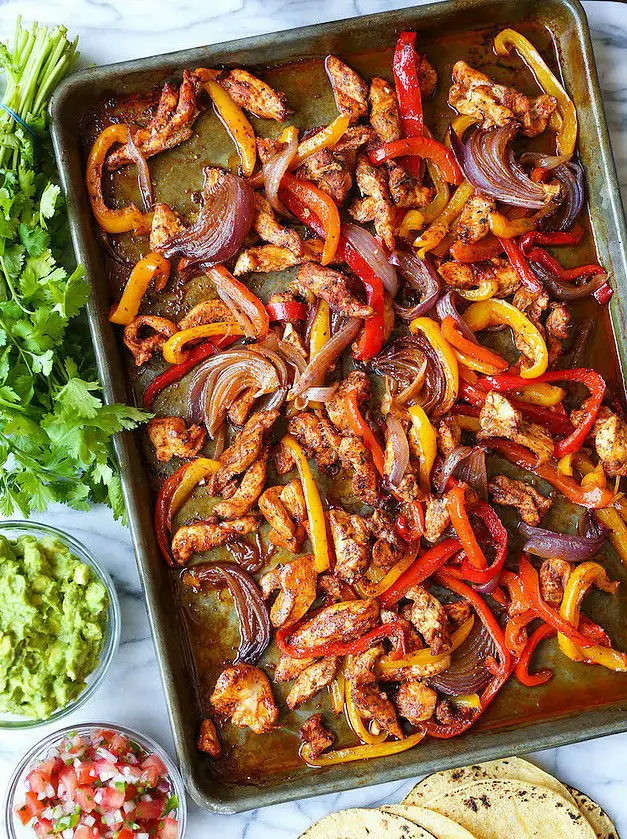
(96, 781)
(13, 530)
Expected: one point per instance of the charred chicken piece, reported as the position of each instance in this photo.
(474, 220)
(331, 286)
(253, 94)
(344, 621)
(331, 171)
(166, 223)
(209, 311)
(405, 190)
(146, 334)
(416, 702)
(243, 693)
(170, 126)
(475, 94)
(315, 737)
(317, 437)
(296, 582)
(245, 497)
(172, 438)
(384, 116)
(351, 539)
(360, 669)
(458, 612)
(554, 575)
(365, 480)
(268, 228)
(373, 185)
(312, 680)
(283, 507)
(209, 534)
(437, 518)
(373, 704)
(265, 259)
(427, 615)
(208, 741)
(246, 448)
(499, 418)
(239, 410)
(349, 89)
(556, 326)
(531, 505)
(354, 386)
(610, 442)
(449, 436)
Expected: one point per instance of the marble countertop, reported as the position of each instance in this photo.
(114, 30)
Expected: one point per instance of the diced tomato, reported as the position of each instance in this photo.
(33, 804)
(43, 828)
(87, 772)
(77, 744)
(67, 782)
(130, 771)
(155, 760)
(149, 809)
(37, 781)
(169, 829)
(111, 798)
(131, 792)
(118, 744)
(24, 814)
(50, 767)
(150, 777)
(85, 832)
(84, 797)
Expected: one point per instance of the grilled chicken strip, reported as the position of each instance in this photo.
(554, 576)
(427, 615)
(339, 622)
(315, 737)
(246, 448)
(171, 437)
(384, 116)
(252, 94)
(166, 223)
(473, 222)
(499, 418)
(531, 505)
(208, 741)
(245, 497)
(146, 334)
(349, 89)
(244, 694)
(351, 539)
(209, 534)
(331, 286)
(296, 582)
(416, 702)
(311, 680)
(372, 184)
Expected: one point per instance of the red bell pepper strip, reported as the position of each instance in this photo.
(586, 376)
(176, 372)
(424, 147)
(411, 527)
(306, 200)
(420, 570)
(551, 264)
(593, 498)
(370, 340)
(603, 294)
(522, 668)
(498, 535)
(456, 505)
(408, 93)
(536, 237)
(521, 266)
(287, 311)
(391, 629)
(361, 429)
(162, 513)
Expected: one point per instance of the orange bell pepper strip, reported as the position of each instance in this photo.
(451, 332)
(361, 429)
(487, 248)
(456, 505)
(521, 672)
(322, 205)
(113, 221)
(155, 267)
(176, 350)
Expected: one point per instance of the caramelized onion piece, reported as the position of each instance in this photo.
(313, 375)
(274, 170)
(420, 276)
(468, 672)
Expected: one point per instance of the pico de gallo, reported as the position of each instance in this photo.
(100, 785)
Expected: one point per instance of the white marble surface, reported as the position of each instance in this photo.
(114, 30)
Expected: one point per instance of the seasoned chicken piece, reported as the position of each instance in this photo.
(393, 673)
(253, 94)
(475, 94)
(473, 222)
(610, 442)
(351, 539)
(165, 224)
(499, 418)
(317, 437)
(331, 286)
(531, 505)
(353, 138)
(466, 275)
(243, 693)
(360, 669)
(146, 334)
(344, 621)
(208, 534)
(532, 305)
(349, 89)
(416, 702)
(208, 741)
(427, 75)
(354, 386)
(264, 259)
(245, 449)
(296, 581)
(268, 228)
(505, 275)
(373, 704)
(384, 116)
(172, 438)
(405, 190)
(458, 612)
(239, 410)
(388, 546)
(429, 618)
(554, 575)
(334, 590)
(209, 311)
(330, 171)
(293, 499)
(355, 457)
(556, 325)
(289, 668)
(449, 436)
(284, 531)
(372, 183)
(310, 681)
(437, 518)
(171, 125)
(315, 737)
(245, 497)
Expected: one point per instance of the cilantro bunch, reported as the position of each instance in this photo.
(55, 430)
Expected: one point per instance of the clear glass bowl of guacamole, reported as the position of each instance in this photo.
(59, 624)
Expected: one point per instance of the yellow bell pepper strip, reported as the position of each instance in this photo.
(472, 355)
(460, 125)
(427, 438)
(364, 752)
(439, 227)
(315, 513)
(113, 221)
(151, 267)
(367, 588)
(565, 465)
(585, 575)
(337, 690)
(355, 721)
(412, 220)
(176, 350)
(541, 393)
(509, 39)
(446, 356)
(486, 289)
(174, 491)
(320, 331)
(505, 228)
(423, 657)
(595, 478)
(303, 198)
(327, 138)
(235, 121)
(610, 517)
(441, 197)
(494, 312)
(467, 700)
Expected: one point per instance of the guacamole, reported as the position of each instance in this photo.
(53, 612)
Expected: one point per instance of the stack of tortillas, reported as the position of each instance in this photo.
(500, 799)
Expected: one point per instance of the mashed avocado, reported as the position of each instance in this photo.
(52, 622)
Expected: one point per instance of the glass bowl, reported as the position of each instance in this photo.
(13, 828)
(13, 529)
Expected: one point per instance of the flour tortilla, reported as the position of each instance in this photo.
(365, 824)
(441, 826)
(493, 809)
(512, 768)
(596, 815)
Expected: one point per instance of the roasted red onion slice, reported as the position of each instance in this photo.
(543, 161)
(313, 375)
(420, 276)
(570, 176)
(396, 450)
(143, 173)
(274, 170)
(468, 672)
(370, 250)
(550, 545)
(403, 362)
(488, 162)
(225, 217)
(466, 463)
(563, 289)
(446, 307)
